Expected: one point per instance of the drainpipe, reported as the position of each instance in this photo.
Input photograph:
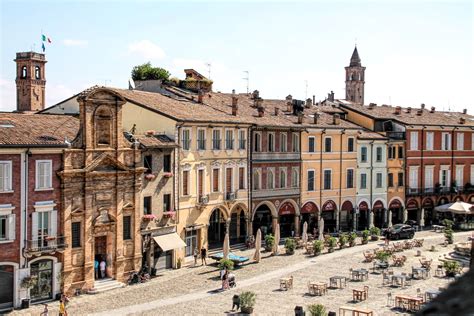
(453, 172)
(371, 214)
(338, 224)
(249, 175)
(25, 201)
(421, 220)
(323, 132)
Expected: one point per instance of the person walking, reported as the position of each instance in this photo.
(195, 253)
(96, 268)
(102, 269)
(225, 280)
(62, 308)
(203, 256)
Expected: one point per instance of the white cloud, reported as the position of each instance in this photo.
(146, 49)
(73, 42)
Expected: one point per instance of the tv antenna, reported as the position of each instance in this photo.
(247, 78)
(208, 70)
(105, 82)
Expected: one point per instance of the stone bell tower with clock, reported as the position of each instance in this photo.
(30, 81)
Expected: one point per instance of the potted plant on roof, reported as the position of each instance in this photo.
(290, 245)
(352, 239)
(269, 241)
(365, 236)
(27, 283)
(247, 302)
(332, 242)
(318, 246)
(374, 233)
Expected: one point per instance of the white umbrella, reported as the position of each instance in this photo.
(304, 237)
(277, 239)
(258, 243)
(226, 247)
(456, 208)
(321, 228)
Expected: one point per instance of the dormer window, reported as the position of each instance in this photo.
(23, 72)
(37, 72)
(103, 126)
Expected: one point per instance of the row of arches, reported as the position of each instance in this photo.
(222, 220)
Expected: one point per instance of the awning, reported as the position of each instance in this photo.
(169, 241)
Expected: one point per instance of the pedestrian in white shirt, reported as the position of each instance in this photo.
(102, 269)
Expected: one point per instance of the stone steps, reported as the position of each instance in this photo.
(105, 285)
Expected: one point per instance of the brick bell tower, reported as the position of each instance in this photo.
(30, 81)
(355, 79)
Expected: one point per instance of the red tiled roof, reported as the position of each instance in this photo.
(155, 141)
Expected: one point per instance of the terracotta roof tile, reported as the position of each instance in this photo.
(155, 141)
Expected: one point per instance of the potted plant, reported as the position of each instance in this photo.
(382, 256)
(150, 176)
(352, 239)
(332, 242)
(247, 302)
(374, 233)
(178, 263)
(451, 268)
(148, 217)
(317, 310)
(167, 174)
(318, 246)
(448, 235)
(365, 236)
(290, 245)
(342, 240)
(448, 223)
(226, 264)
(269, 241)
(27, 283)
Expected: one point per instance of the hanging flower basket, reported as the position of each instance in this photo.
(150, 176)
(169, 214)
(149, 217)
(167, 174)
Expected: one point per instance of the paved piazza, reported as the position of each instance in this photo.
(191, 291)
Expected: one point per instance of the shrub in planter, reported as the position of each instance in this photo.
(365, 236)
(290, 246)
(269, 241)
(317, 310)
(451, 268)
(247, 302)
(382, 256)
(352, 239)
(179, 263)
(342, 240)
(374, 233)
(332, 242)
(318, 246)
(448, 223)
(226, 264)
(448, 235)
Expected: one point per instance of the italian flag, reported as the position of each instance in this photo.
(45, 38)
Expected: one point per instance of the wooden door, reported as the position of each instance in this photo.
(228, 180)
(200, 182)
(100, 246)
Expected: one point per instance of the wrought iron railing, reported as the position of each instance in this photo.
(48, 243)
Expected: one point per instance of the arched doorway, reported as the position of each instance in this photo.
(397, 211)
(216, 230)
(412, 209)
(243, 226)
(443, 215)
(471, 199)
(378, 212)
(42, 270)
(428, 206)
(262, 219)
(6, 288)
(328, 213)
(309, 213)
(286, 218)
(346, 219)
(237, 229)
(363, 217)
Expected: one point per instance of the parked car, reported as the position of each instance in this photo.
(399, 231)
(411, 222)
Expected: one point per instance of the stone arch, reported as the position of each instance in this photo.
(384, 203)
(292, 202)
(270, 205)
(314, 205)
(14, 276)
(455, 199)
(363, 200)
(54, 282)
(425, 202)
(471, 199)
(241, 205)
(327, 202)
(395, 199)
(346, 203)
(442, 200)
(224, 211)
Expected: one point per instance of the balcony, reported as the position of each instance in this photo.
(429, 191)
(263, 193)
(396, 135)
(46, 244)
(275, 155)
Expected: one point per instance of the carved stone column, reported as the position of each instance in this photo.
(297, 225)
(389, 218)
(422, 218)
(274, 224)
(405, 215)
(371, 218)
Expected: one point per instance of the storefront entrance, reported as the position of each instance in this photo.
(363, 216)
(263, 220)
(286, 219)
(216, 230)
(397, 211)
(429, 215)
(309, 214)
(43, 272)
(329, 210)
(6, 286)
(379, 215)
(162, 259)
(100, 251)
(347, 216)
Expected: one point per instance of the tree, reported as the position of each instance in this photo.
(148, 72)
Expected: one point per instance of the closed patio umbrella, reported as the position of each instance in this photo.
(226, 247)
(258, 244)
(304, 237)
(277, 239)
(321, 228)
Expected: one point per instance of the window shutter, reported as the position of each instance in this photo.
(34, 226)
(54, 223)
(2, 177)
(48, 175)
(11, 227)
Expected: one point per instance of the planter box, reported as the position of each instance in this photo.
(246, 310)
(374, 238)
(330, 249)
(290, 252)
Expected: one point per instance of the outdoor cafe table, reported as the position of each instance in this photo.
(419, 272)
(355, 311)
(431, 294)
(398, 279)
(359, 274)
(380, 265)
(412, 303)
(338, 281)
(318, 288)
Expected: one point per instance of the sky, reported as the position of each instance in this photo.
(415, 51)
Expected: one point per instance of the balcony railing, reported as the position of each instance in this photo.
(46, 244)
(431, 191)
(275, 155)
(275, 192)
(396, 135)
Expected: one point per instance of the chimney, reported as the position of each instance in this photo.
(372, 105)
(308, 103)
(200, 96)
(423, 106)
(289, 103)
(233, 91)
(408, 109)
(314, 99)
(331, 96)
(432, 109)
(316, 117)
(255, 94)
(398, 110)
(234, 105)
(261, 111)
(277, 110)
(300, 118)
(462, 120)
(419, 112)
(336, 119)
(464, 111)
